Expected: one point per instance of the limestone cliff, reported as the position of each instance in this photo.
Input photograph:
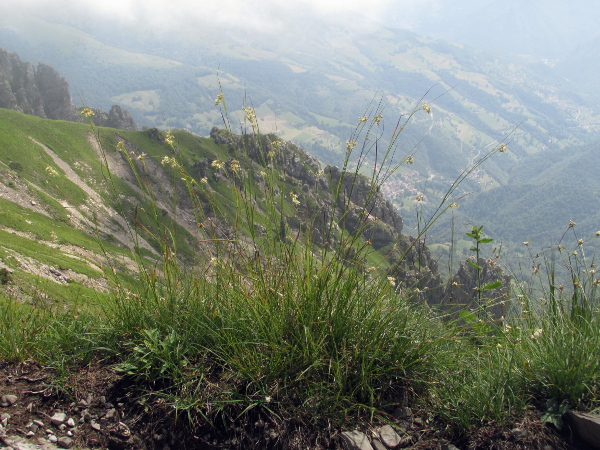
(117, 117)
(42, 92)
(461, 291)
(357, 207)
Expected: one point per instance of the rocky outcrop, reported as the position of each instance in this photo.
(117, 117)
(461, 291)
(18, 88)
(56, 97)
(42, 92)
(357, 207)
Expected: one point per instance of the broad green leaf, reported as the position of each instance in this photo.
(495, 285)
(473, 265)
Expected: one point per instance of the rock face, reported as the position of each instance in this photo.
(117, 117)
(42, 92)
(461, 291)
(358, 207)
(56, 98)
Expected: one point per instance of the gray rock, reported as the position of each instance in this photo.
(71, 422)
(58, 419)
(65, 442)
(587, 427)
(86, 416)
(4, 418)
(52, 438)
(19, 443)
(8, 400)
(110, 414)
(95, 426)
(355, 440)
(403, 412)
(39, 423)
(377, 445)
(388, 436)
(449, 447)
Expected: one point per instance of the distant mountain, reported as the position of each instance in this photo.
(311, 83)
(544, 28)
(582, 68)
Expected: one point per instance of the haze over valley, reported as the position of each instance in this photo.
(521, 73)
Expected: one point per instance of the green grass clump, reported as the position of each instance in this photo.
(257, 313)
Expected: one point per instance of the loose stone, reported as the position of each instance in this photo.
(389, 437)
(355, 440)
(8, 400)
(377, 445)
(65, 442)
(58, 419)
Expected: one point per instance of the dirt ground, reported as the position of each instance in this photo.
(103, 411)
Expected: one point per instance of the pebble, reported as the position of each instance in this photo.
(39, 423)
(389, 436)
(53, 439)
(355, 440)
(95, 426)
(8, 400)
(377, 445)
(110, 413)
(58, 419)
(71, 422)
(4, 418)
(86, 416)
(65, 442)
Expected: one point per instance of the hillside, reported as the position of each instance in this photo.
(228, 291)
(77, 201)
(311, 83)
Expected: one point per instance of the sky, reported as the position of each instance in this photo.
(261, 14)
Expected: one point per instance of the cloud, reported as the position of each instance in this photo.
(173, 14)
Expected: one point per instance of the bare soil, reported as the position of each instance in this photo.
(109, 413)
